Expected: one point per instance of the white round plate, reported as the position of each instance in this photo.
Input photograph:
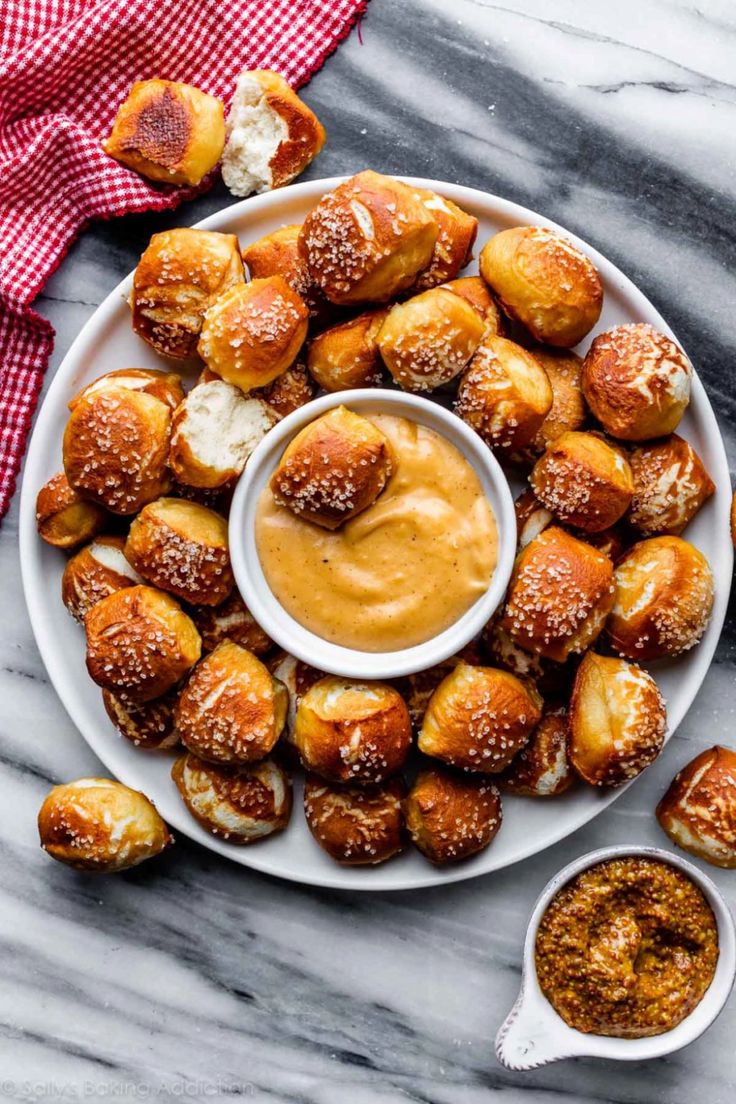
(107, 342)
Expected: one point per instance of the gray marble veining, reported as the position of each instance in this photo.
(195, 978)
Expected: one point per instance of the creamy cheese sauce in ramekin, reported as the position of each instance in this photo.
(401, 572)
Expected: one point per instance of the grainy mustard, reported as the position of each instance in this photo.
(627, 948)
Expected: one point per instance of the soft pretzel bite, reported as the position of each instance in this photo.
(451, 817)
(214, 431)
(116, 446)
(241, 804)
(584, 480)
(97, 570)
(456, 236)
(297, 676)
(504, 394)
(230, 620)
(545, 282)
(532, 517)
(617, 720)
(100, 826)
(698, 811)
(64, 518)
(182, 547)
(355, 825)
(232, 710)
(168, 131)
(148, 725)
(271, 134)
(140, 643)
(165, 386)
(278, 254)
(333, 469)
(368, 239)
(253, 333)
(416, 689)
(475, 291)
(350, 731)
(290, 391)
(478, 718)
(559, 597)
(568, 411)
(179, 275)
(347, 355)
(426, 341)
(664, 598)
(637, 382)
(670, 486)
(542, 767)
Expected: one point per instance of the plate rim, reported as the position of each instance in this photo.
(347, 878)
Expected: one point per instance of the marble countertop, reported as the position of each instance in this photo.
(192, 977)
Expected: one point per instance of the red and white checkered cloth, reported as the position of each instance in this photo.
(65, 67)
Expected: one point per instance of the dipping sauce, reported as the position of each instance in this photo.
(400, 572)
(628, 948)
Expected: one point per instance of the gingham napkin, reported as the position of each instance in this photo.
(65, 66)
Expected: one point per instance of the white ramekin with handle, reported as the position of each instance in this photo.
(533, 1034)
(285, 629)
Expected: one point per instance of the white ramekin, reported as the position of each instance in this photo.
(280, 625)
(533, 1034)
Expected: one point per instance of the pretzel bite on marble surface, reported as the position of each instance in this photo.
(100, 826)
(291, 390)
(355, 825)
(168, 131)
(618, 720)
(584, 480)
(230, 620)
(453, 250)
(333, 469)
(232, 710)
(475, 291)
(252, 333)
(347, 355)
(451, 817)
(542, 768)
(178, 277)
(545, 282)
(240, 804)
(698, 811)
(350, 731)
(670, 486)
(214, 431)
(165, 386)
(664, 598)
(504, 394)
(116, 447)
(368, 239)
(97, 570)
(636, 381)
(478, 718)
(140, 643)
(559, 597)
(64, 518)
(271, 134)
(149, 725)
(427, 341)
(182, 547)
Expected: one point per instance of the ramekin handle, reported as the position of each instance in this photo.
(530, 1037)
